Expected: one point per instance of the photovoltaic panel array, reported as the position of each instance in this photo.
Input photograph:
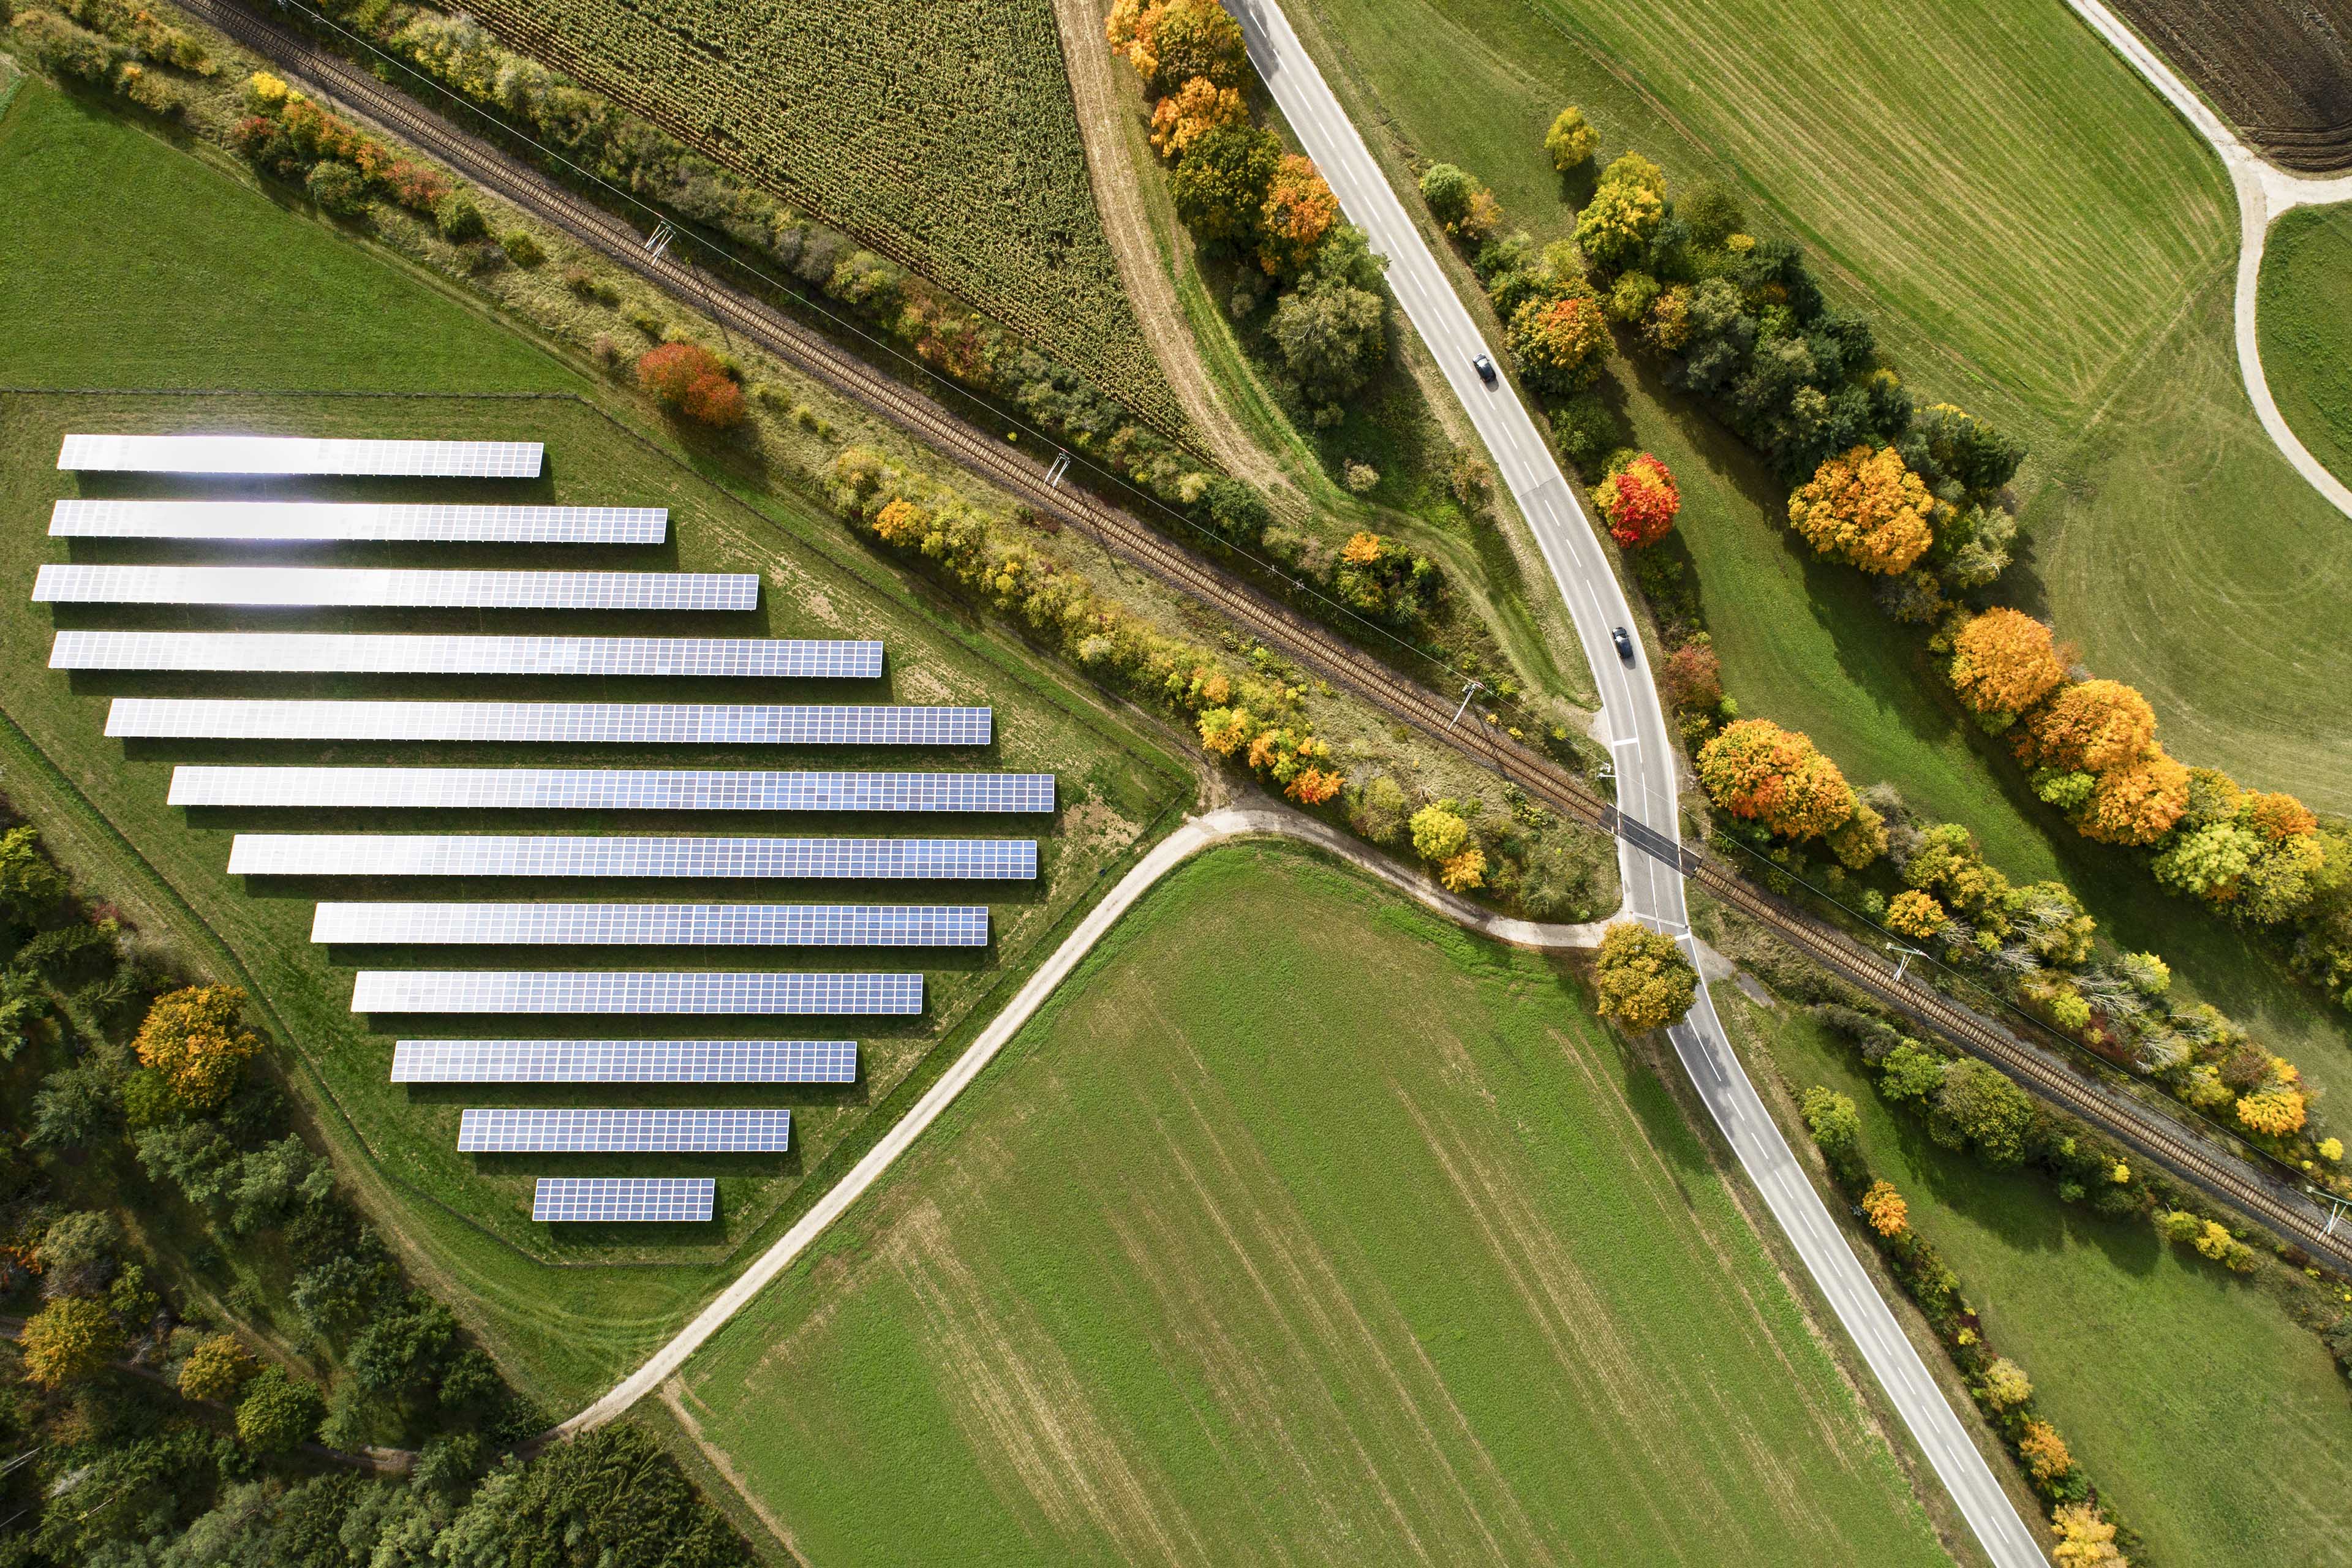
(654, 925)
(304, 653)
(635, 992)
(620, 789)
(634, 1131)
(625, 1061)
(284, 588)
(300, 455)
(620, 1200)
(491, 855)
(302, 521)
(578, 724)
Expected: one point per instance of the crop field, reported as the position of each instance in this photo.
(95, 211)
(2215, 1424)
(2306, 336)
(2279, 70)
(941, 135)
(1366, 1245)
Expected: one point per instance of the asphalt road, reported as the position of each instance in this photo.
(1635, 728)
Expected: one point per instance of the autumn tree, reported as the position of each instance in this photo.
(2002, 662)
(1298, 212)
(2137, 804)
(1693, 674)
(1192, 112)
(217, 1369)
(1571, 140)
(1560, 342)
(1759, 773)
(1643, 978)
(1438, 831)
(1617, 225)
(2006, 1386)
(1640, 500)
(193, 1037)
(2085, 1540)
(69, 1339)
(1888, 1215)
(1463, 870)
(1867, 509)
(2094, 727)
(2045, 1452)
(1172, 41)
(1915, 914)
(1220, 183)
(690, 379)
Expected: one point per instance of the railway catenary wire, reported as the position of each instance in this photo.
(2151, 1133)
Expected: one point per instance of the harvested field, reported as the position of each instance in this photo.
(2279, 70)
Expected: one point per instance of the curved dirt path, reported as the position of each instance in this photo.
(1197, 834)
(2265, 191)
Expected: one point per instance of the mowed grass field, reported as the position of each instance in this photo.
(2307, 335)
(1365, 1245)
(2217, 1426)
(130, 265)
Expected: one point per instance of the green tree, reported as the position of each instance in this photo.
(1330, 329)
(1643, 978)
(1449, 191)
(1911, 1071)
(1836, 1127)
(277, 1413)
(74, 1107)
(1220, 184)
(1570, 141)
(79, 1253)
(70, 1341)
(30, 886)
(1994, 1113)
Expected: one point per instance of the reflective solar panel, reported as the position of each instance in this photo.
(625, 1061)
(760, 658)
(596, 789)
(655, 925)
(579, 723)
(633, 991)
(487, 855)
(302, 520)
(625, 1131)
(615, 1200)
(300, 455)
(357, 586)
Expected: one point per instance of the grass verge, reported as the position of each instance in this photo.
(2305, 336)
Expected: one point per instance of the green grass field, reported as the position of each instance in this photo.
(134, 264)
(2218, 1427)
(1371, 1247)
(2305, 336)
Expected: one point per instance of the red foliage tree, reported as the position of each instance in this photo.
(1640, 501)
(688, 378)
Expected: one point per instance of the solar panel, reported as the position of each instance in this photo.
(300, 455)
(489, 854)
(594, 789)
(625, 1061)
(578, 724)
(615, 1200)
(635, 992)
(306, 520)
(655, 925)
(357, 586)
(648, 1131)
(759, 659)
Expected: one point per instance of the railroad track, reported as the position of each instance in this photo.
(2194, 1155)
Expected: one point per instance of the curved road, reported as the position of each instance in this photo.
(1636, 731)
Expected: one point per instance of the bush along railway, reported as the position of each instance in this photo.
(2208, 1156)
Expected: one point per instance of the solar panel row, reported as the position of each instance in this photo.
(635, 992)
(596, 789)
(357, 586)
(614, 1200)
(625, 1061)
(300, 455)
(579, 723)
(311, 520)
(654, 925)
(326, 653)
(486, 855)
(650, 1131)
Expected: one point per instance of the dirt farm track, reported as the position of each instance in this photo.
(2279, 70)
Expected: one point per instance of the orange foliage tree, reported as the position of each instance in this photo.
(191, 1037)
(1867, 509)
(1300, 211)
(1192, 112)
(1560, 342)
(1889, 1216)
(2094, 727)
(2045, 1451)
(688, 378)
(1640, 500)
(2002, 662)
(1761, 772)
(2136, 803)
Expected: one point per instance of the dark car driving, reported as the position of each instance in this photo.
(1625, 643)
(1485, 369)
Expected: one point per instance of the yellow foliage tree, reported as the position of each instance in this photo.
(71, 1339)
(2137, 804)
(2275, 1110)
(1223, 730)
(1571, 141)
(1362, 548)
(901, 522)
(2044, 1451)
(1915, 914)
(2095, 727)
(2002, 662)
(1643, 978)
(2084, 1539)
(1439, 833)
(217, 1369)
(191, 1037)
(1867, 509)
(1889, 1216)
(1462, 872)
(1192, 112)
(2006, 1386)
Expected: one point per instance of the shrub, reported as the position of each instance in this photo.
(459, 217)
(520, 249)
(1378, 810)
(688, 378)
(338, 188)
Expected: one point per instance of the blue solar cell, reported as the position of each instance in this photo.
(654, 925)
(611, 1200)
(625, 1061)
(635, 991)
(486, 854)
(616, 789)
(623, 1131)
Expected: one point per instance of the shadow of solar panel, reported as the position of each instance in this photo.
(576, 723)
(634, 1131)
(358, 586)
(617, 789)
(267, 521)
(303, 653)
(649, 992)
(654, 925)
(487, 855)
(623, 1200)
(625, 1061)
(300, 455)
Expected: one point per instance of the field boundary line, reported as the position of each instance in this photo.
(1205, 831)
